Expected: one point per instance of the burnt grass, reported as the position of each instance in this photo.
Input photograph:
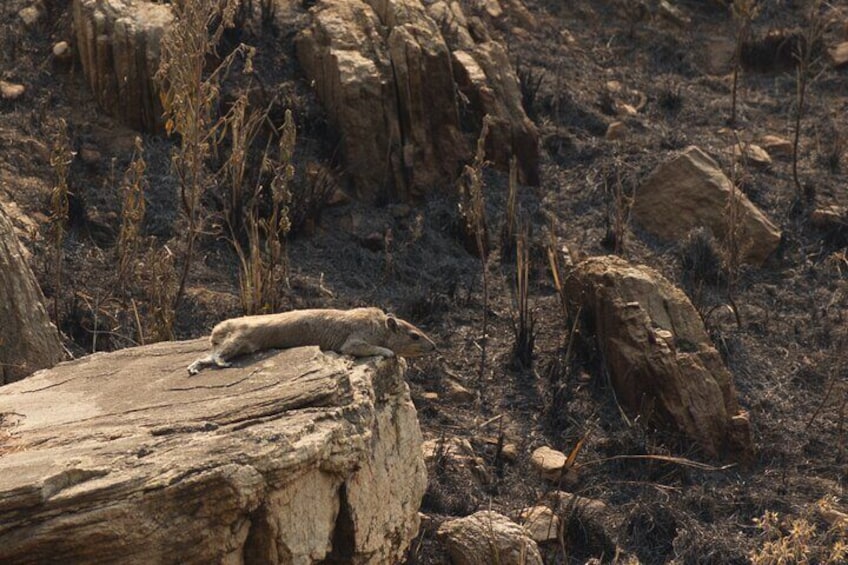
(788, 357)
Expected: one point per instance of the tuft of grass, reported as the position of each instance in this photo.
(263, 272)
(701, 257)
(132, 214)
(818, 535)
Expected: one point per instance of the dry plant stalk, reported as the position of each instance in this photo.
(263, 269)
(508, 232)
(805, 58)
(744, 12)
(61, 157)
(189, 100)
(734, 247)
(525, 331)
(472, 209)
(618, 211)
(132, 214)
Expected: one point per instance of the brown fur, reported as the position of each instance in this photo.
(361, 332)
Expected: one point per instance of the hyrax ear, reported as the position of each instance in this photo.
(391, 323)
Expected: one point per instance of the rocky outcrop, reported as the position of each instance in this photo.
(287, 457)
(383, 73)
(28, 339)
(660, 359)
(488, 537)
(485, 76)
(118, 42)
(388, 78)
(691, 191)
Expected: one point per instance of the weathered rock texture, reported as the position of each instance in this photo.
(488, 537)
(661, 361)
(118, 42)
(387, 78)
(288, 457)
(691, 191)
(28, 339)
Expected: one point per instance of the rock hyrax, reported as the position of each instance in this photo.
(361, 332)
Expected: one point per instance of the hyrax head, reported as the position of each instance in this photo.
(406, 340)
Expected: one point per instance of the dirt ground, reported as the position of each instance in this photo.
(788, 357)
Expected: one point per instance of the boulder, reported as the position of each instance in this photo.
(691, 191)
(294, 456)
(488, 537)
(541, 523)
(383, 73)
(28, 339)
(662, 364)
(118, 42)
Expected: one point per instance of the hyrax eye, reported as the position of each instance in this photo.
(414, 337)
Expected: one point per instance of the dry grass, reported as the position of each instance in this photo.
(61, 157)
(189, 97)
(132, 214)
(818, 535)
(472, 209)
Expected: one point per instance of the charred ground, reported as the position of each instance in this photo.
(788, 356)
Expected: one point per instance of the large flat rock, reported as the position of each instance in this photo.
(287, 457)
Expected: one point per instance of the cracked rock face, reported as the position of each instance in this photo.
(28, 339)
(662, 363)
(388, 73)
(287, 457)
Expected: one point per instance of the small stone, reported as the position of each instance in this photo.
(827, 217)
(493, 8)
(548, 462)
(751, 154)
(89, 154)
(624, 109)
(455, 392)
(509, 451)
(10, 90)
(839, 54)
(540, 523)
(30, 16)
(616, 131)
(62, 50)
(776, 145)
(430, 396)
